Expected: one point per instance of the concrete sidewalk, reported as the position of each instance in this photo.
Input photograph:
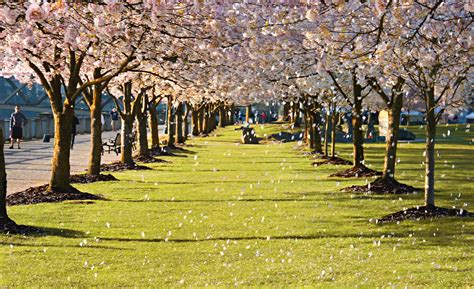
(31, 165)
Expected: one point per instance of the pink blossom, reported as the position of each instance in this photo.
(9, 15)
(70, 36)
(99, 21)
(35, 13)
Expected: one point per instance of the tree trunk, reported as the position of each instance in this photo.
(316, 136)
(126, 140)
(248, 111)
(308, 130)
(195, 122)
(430, 152)
(142, 134)
(170, 124)
(286, 112)
(333, 133)
(222, 116)
(96, 132)
(327, 132)
(392, 137)
(60, 169)
(185, 123)
(201, 119)
(155, 138)
(213, 120)
(179, 123)
(358, 137)
(4, 219)
(207, 121)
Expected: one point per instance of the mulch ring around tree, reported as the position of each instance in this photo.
(118, 166)
(86, 178)
(149, 159)
(423, 212)
(357, 172)
(331, 161)
(41, 194)
(314, 154)
(382, 186)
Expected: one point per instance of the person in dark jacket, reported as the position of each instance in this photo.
(75, 122)
(17, 121)
(114, 116)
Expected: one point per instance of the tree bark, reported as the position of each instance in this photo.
(358, 137)
(170, 123)
(333, 133)
(4, 219)
(207, 120)
(201, 119)
(95, 154)
(179, 123)
(308, 129)
(60, 169)
(286, 112)
(126, 140)
(430, 152)
(195, 122)
(327, 132)
(153, 123)
(185, 121)
(127, 126)
(317, 132)
(390, 159)
(222, 113)
(142, 130)
(248, 111)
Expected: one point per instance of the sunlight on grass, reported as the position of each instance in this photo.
(225, 214)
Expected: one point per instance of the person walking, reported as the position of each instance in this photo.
(75, 122)
(114, 115)
(17, 121)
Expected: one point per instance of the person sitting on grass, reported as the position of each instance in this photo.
(17, 121)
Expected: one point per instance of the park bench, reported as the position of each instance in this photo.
(112, 144)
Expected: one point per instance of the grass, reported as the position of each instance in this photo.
(225, 214)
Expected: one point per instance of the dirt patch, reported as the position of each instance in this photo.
(118, 166)
(41, 194)
(331, 161)
(383, 186)
(423, 212)
(86, 178)
(149, 159)
(357, 172)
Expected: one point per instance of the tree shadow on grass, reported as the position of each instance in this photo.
(101, 247)
(218, 201)
(369, 238)
(34, 231)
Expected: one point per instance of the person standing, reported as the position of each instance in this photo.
(114, 115)
(75, 122)
(17, 121)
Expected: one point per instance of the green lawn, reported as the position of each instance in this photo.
(226, 214)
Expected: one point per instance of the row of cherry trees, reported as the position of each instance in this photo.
(204, 57)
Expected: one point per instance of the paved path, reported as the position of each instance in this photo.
(31, 165)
